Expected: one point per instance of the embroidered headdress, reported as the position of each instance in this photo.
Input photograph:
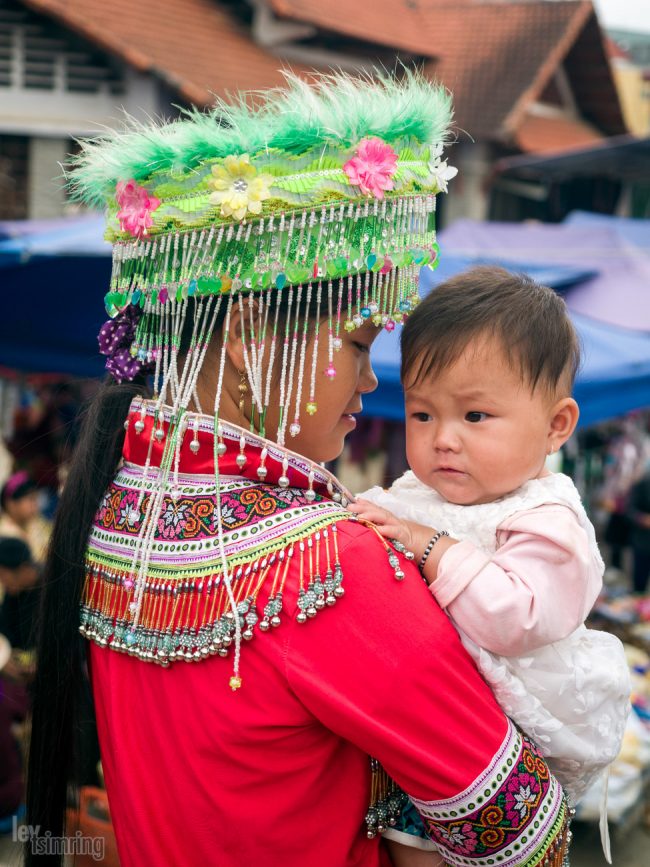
(321, 195)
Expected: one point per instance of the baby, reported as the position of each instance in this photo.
(488, 364)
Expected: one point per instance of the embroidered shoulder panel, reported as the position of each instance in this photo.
(186, 612)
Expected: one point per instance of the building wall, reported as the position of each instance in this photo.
(54, 87)
(634, 93)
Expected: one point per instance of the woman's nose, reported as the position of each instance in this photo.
(367, 380)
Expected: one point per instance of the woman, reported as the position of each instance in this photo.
(20, 514)
(255, 258)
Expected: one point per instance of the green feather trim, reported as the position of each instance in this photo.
(332, 110)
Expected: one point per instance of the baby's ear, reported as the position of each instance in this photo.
(564, 418)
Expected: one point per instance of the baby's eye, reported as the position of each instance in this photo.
(421, 416)
(475, 417)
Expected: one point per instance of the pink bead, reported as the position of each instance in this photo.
(330, 372)
(129, 584)
(390, 325)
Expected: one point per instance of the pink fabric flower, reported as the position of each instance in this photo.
(373, 167)
(136, 205)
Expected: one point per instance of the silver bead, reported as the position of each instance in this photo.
(399, 575)
(330, 600)
(240, 460)
(283, 481)
(339, 591)
(265, 625)
(195, 445)
(310, 495)
(159, 434)
(139, 426)
(261, 473)
(223, 651)
(275, 620)
(320, 603)
(336, 497)
(247, 634)
(311, 611)
(301, 617)
(221, 449)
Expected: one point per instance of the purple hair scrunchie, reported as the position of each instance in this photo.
(115, 339)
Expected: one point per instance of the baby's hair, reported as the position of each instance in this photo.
(529, 320)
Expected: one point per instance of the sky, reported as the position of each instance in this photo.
(624, 14)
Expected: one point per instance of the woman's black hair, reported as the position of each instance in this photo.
(60, 681)
(60, 652)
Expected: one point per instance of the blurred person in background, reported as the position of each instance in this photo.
(639, 514)
(20, 578)
(20, 514)
(624, 461)
(14, 704)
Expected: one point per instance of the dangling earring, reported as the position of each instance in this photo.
(243, 391)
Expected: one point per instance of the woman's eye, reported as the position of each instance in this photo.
(475, 417)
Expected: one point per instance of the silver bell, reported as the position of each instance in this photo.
(195, 445)
(221, 449)
(283, 481)
(139, 426)
(240, 460)
(261, 473)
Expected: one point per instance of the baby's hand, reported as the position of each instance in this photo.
(388, 524)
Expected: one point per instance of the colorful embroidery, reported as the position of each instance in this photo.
(514, 814)
(191, 516)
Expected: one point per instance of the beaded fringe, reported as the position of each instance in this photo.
(191, 619)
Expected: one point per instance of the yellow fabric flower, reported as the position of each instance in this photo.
(238, 189)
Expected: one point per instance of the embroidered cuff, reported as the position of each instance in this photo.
(514, 814)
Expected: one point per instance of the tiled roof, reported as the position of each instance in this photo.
(196, 46)
(545, 135)
(495, 56)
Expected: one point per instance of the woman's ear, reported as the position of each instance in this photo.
(235, 327)
(564, 418)
(232, 330)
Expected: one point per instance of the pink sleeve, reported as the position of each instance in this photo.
(537, 588)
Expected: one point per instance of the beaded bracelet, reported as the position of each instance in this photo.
(432, 542)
